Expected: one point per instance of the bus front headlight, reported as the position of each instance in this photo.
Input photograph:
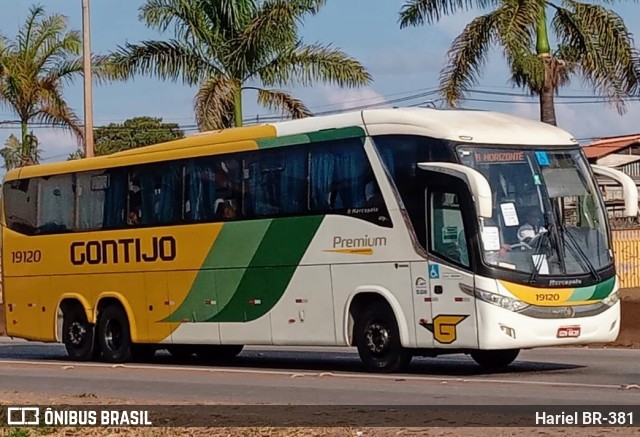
(611, 299)
(508, 303)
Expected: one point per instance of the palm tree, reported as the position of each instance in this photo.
(592, 42)
(13, 155)
(228, 46)
(33, 69)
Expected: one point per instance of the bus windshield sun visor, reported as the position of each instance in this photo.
(477, 183)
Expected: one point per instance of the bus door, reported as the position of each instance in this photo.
(453, 313)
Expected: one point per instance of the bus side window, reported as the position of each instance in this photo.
(276, 182)
(200, 190)
(57, 203)
(155, 194)
(339, 174)
(115, 199)
(447, 237)
(20, 199)
(134, 202)
(228, 187)
(91, 191)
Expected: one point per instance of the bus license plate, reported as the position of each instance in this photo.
(569, 332)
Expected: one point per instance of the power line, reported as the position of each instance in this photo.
(377, 97)
(421, 94)
(269, 117)
(516, 102)
(564, 96)
(418, 94)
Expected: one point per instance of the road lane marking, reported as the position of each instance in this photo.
(65, 365)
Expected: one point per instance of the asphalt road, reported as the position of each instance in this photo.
(575, 376)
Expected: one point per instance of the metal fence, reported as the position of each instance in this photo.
(626, 248)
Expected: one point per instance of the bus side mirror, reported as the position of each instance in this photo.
(477, 183)
(629, 188)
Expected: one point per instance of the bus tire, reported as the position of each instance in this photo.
(114, 335)
(494, 359)
(223, 352)
(78, 334)
(378, 339)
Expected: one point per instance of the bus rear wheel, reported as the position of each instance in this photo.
(114, 335)
(77, 333)
(219, 352)
(494, 359)
(378, 340)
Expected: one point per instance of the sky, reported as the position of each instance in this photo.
(403, 63)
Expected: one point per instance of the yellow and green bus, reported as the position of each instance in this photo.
(397, 231)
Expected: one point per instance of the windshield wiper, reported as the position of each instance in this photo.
(578, 249)
(551, 235)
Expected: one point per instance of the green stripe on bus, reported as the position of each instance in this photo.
(318, 136)
(237, 244)
(222, 271)
(271, 269)
(289, 140)
(337, 134)
(604, 289)
(286, 241)
(582, 293)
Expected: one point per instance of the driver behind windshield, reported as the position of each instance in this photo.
(531, 228)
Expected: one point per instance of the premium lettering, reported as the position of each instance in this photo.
(123, 251)
(366, 241)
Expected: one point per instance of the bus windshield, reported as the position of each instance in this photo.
(548, 218)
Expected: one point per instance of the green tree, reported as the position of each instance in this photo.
(228, 46)
(132, 133)
(13, 155)
(33, 69)
(592, 42)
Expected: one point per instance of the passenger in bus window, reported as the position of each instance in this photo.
(333, 194)
(133, 219)
(218, 208)
(229, 210)
(374, 195)
(135, 205)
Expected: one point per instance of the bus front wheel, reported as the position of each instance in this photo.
(378, 339)
(114, 335)
(77, 334)
(494, 359)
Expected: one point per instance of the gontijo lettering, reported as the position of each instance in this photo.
(124, 250)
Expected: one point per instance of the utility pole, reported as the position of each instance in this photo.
(88, 86)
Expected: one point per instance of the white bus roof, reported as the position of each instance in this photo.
(471, 126)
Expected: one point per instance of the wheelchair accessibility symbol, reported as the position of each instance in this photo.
(434, 271)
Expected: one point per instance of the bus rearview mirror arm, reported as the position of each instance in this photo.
(629, 188)
(477, 183)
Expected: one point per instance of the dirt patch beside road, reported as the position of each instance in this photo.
(630, 319)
